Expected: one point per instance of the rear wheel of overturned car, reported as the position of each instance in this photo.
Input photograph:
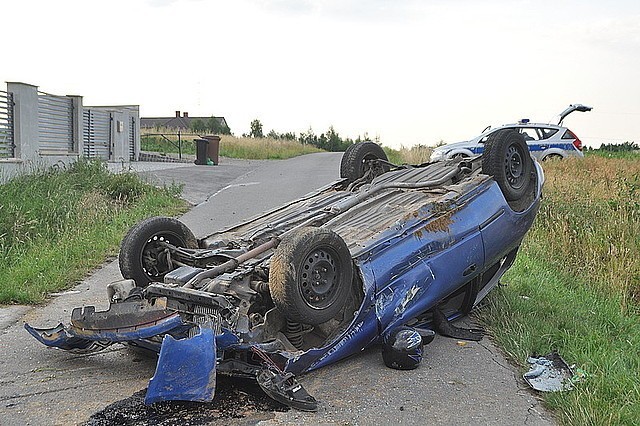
(507, 159)
(355, 160)
(144, 256)
(310, 275)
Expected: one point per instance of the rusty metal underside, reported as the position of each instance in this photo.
(362, 223)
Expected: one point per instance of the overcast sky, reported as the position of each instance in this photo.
(408, 71)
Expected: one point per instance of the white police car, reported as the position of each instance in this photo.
(545, 141)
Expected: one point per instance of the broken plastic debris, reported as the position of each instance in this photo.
(284, 388)
(549, 373)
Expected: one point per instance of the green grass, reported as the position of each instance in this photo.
(575, 288)
(542, 310)
(158, 144)
(57, 225)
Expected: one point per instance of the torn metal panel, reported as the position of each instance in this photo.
(186, 369)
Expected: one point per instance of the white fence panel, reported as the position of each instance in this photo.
(7, 146)
(55, 123)
(97, 134)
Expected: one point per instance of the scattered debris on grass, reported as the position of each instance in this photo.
(550, 373)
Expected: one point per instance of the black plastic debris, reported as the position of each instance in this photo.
(445, 328)
(284, 388)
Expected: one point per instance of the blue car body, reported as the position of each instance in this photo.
(414, 247)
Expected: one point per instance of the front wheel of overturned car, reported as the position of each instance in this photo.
(310, 275)
(356, 158)
(144, 256)
(507, 159)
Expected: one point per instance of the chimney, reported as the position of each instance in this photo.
(185, 114)
(177, 114)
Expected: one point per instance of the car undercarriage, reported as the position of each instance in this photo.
(317, 279)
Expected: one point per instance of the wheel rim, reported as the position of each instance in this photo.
(154, 256)
(514, 167)
(365, 160)
(319, 278)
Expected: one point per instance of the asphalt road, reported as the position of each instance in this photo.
(455, 384)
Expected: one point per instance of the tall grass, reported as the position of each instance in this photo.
(575, 288)
(234, 147)
(263, 148)
(417, 154)
(56, 225)
(589, 223)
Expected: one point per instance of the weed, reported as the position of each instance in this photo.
(58, 224)
(575, 288)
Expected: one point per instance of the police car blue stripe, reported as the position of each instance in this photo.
(535, 147)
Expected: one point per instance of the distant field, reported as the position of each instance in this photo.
(232, 147)
(575, 288)
(268, 148)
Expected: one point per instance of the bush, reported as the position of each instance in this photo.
(58, 224)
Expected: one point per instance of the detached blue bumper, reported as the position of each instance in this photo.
(186, 368)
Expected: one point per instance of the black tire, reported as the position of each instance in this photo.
(140, 256)
(310, 275)
(553, 157)
(507, 159)
(352, 165)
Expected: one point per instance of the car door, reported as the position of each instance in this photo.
(428, 264)
(533, 138)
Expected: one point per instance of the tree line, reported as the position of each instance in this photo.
(617, 147)
(211, 125)
(329, 140)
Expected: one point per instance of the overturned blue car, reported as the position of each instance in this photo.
(385, 248)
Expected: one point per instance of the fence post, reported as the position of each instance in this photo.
(119, 140)
(78, 126)
(135, 113)
(25, 120)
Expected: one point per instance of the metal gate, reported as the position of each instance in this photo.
(97, 134)
(132, 139)
(55, 123)
(7, 145)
